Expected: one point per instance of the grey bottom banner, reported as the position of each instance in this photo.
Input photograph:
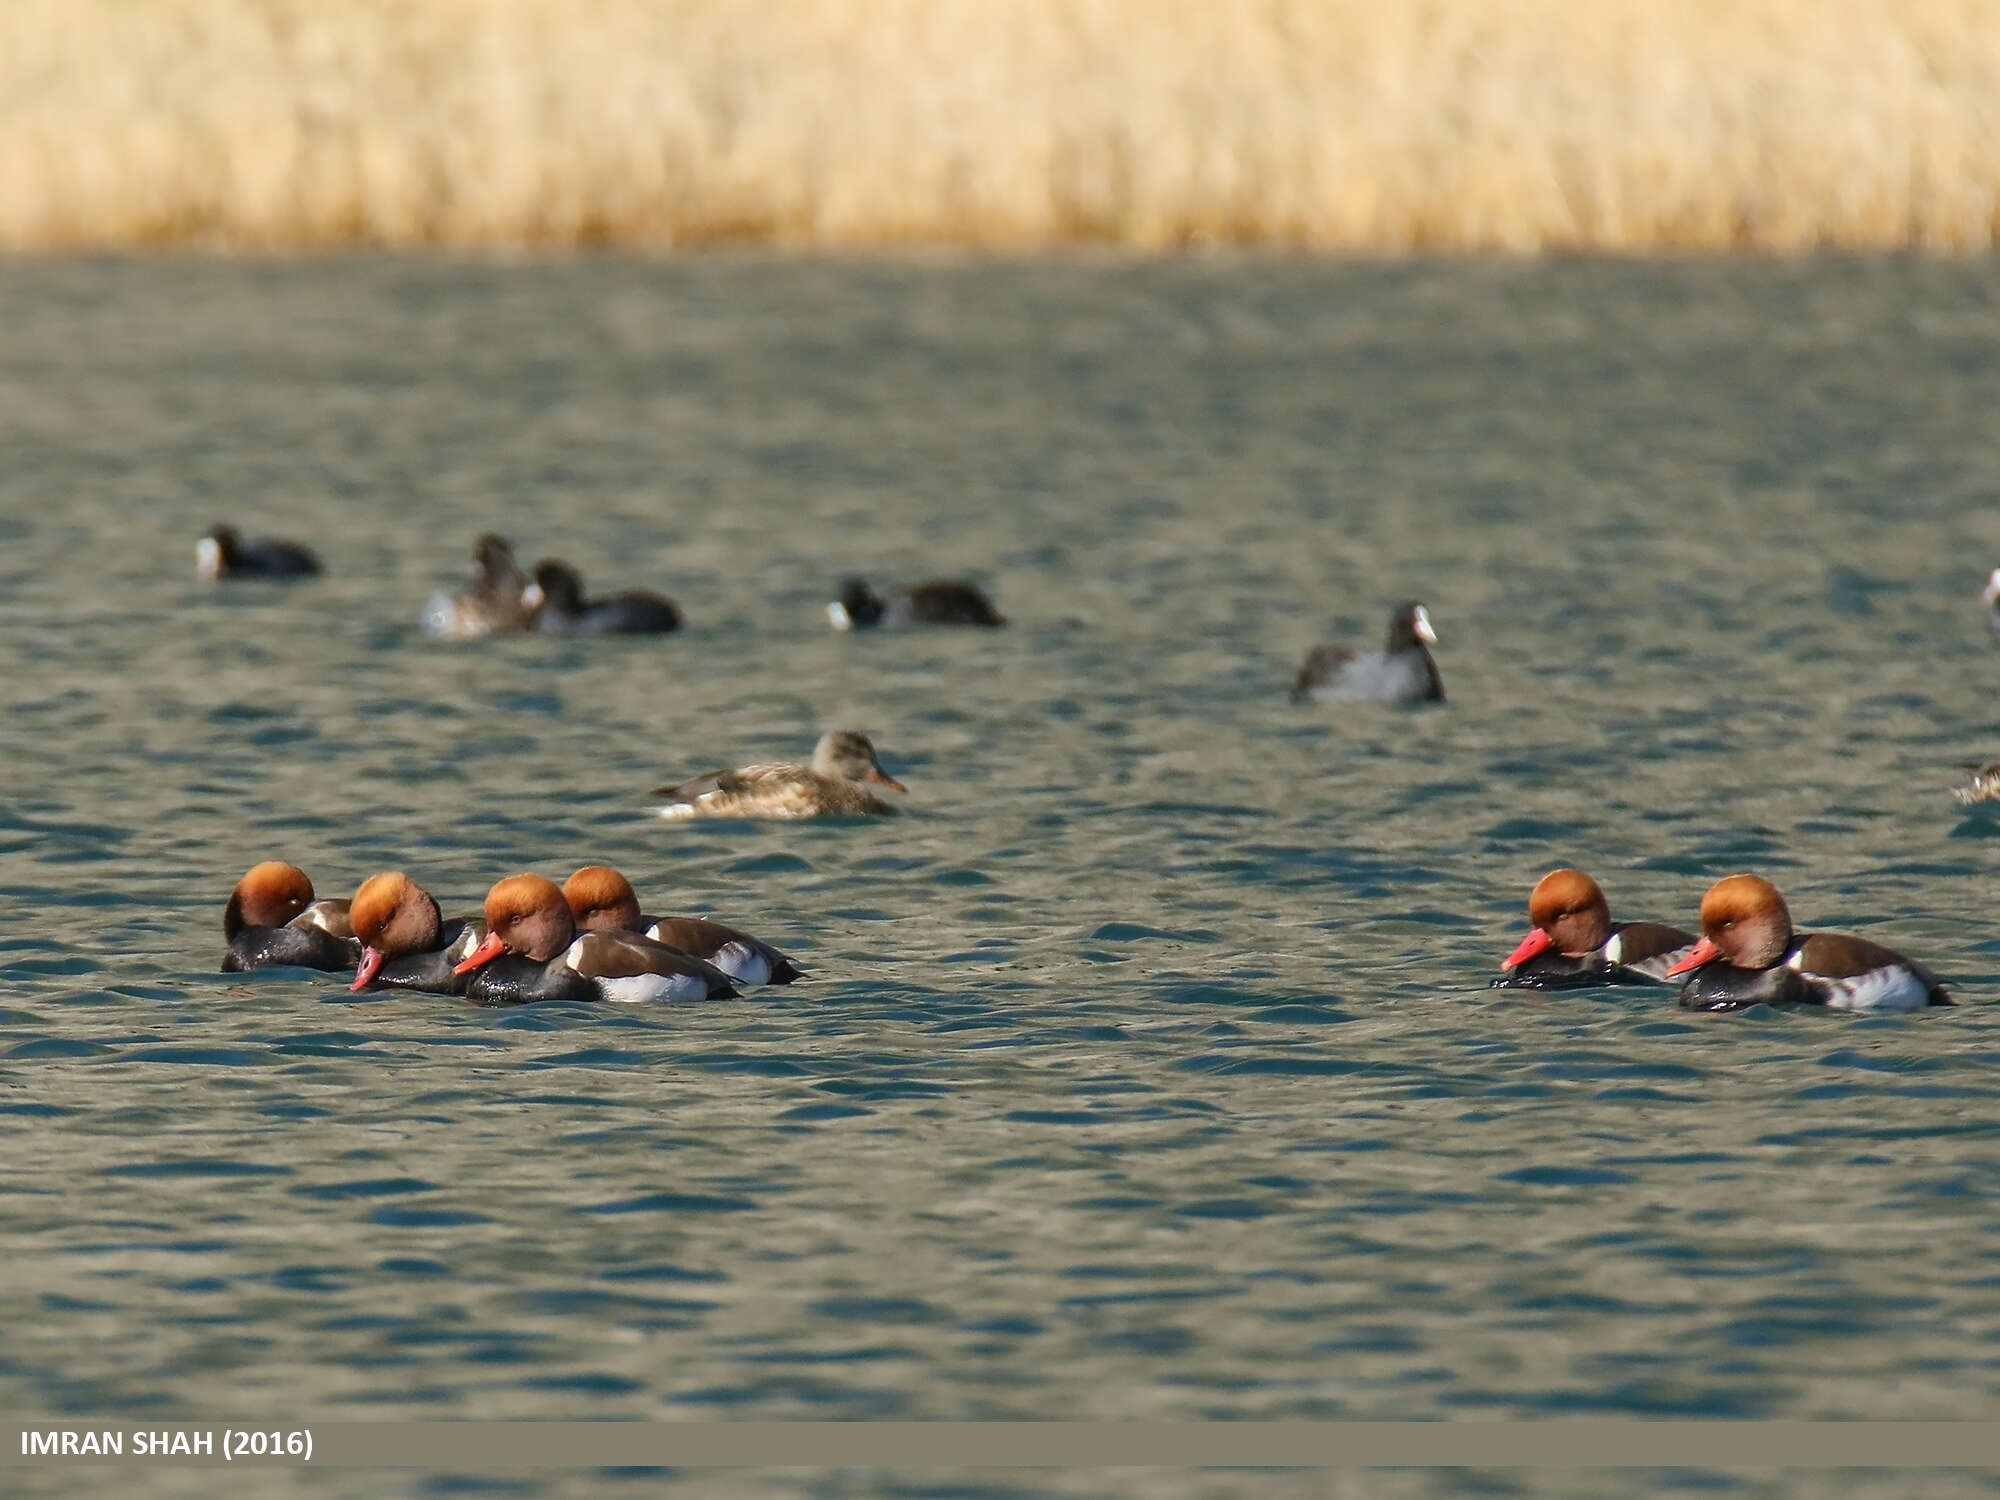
(514, 1446)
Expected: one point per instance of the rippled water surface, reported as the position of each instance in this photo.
(1147, 1067)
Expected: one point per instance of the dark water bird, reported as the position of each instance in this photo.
(834, 785)
(493, 603)
(272, 918)
(1749, 954)
(942, 601)
(405, 942)
(602, 900)
(527, 918)
(223, 553)
(1573, 941)
(560, 608)
(1403, 672)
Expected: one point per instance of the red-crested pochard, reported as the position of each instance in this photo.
(272, 919)
(405, 942)
(602, 900)
(1573, 941)
(1748, 953)
(527, 917)
(832, 786)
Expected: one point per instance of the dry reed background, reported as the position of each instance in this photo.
(1350, 125)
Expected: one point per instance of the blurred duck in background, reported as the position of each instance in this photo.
(942, 601)
(494, 602)
(1983, 787)
(560, 608)
(223, 553)
(1403, 672)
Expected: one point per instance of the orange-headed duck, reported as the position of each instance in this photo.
(224, 553)
(556, 596)
(494, 602)
(1748, 953)
(832, 786)
(405, 942)
(273, 919)
(1403, 672)
(528, 919)
(1573, 941)
(602, 900)
(942, 601)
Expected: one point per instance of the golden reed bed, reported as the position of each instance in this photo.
(1346, 125)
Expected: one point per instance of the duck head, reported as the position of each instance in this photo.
(556, 584)
(1744, 921)
(525, 915)
(270, 895)
(392, 915)
(1568, 912)
(216, 553)
(858, 606)
(844, 753)
(602, 900)
(1410, 626)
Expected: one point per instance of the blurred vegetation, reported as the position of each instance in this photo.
(1370, 126)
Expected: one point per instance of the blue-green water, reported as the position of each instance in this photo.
(1147, 1067)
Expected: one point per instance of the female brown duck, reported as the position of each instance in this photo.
(834, 785)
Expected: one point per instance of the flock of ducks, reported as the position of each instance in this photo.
(501, 597)
(1747, 953)
(588, 939)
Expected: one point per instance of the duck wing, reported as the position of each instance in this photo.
(745, 959)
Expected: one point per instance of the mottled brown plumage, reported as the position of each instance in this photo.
(495, 601)
(832, 786)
